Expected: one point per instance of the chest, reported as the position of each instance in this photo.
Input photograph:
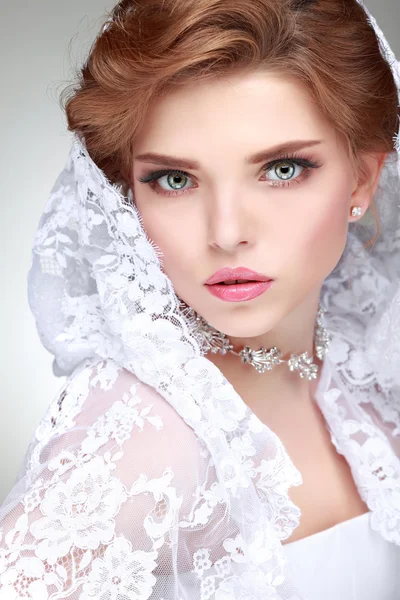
(328, 494)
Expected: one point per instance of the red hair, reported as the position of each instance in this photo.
(148, 46)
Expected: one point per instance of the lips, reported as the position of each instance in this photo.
(237, 285)
(238, 275)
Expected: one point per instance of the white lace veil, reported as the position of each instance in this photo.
(96, 289)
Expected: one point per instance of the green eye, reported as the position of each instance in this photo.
(177, 181)
(287, 170)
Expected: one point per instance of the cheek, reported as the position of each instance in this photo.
(176, 239)
(323, 234)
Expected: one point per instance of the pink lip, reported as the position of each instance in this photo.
(239, 292)
(228, 274)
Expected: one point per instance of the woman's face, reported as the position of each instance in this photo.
(215, 200)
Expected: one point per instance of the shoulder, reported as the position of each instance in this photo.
(108, 433)
(139, 419)
(105, 410)
(116, 478)
(115, 392)
(103, 390)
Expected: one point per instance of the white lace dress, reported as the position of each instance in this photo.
(120, 499)
(349, 561)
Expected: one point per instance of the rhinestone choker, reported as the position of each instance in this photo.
(262, 360)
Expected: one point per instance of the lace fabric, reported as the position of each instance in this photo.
(107, 505)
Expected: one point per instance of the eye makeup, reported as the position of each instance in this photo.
(306, 163)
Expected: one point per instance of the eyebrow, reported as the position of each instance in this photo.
(264, 155)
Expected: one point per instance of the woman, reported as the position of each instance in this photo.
(219, 435)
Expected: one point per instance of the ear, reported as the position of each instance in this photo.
(367, 181)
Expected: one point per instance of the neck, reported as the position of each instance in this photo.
(294, 334)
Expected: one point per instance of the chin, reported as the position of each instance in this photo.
(241, 327)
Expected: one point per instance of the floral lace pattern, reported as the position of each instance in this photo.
(80, 524)
(100, 522)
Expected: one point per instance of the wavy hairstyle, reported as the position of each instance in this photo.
(148, 46)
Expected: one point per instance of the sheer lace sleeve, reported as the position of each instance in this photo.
(103, 509)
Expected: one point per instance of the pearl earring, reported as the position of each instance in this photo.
(356, 211)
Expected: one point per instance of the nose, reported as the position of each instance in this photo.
(230, 224)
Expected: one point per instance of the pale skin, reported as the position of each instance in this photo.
(228, 211)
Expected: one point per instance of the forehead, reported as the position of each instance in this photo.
(254, 108)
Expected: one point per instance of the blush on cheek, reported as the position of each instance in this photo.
(327, 239)
(179, 251)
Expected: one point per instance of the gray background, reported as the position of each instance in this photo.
(40, 44)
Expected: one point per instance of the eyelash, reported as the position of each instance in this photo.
(306, 162)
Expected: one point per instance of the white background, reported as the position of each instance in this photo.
(41, 43)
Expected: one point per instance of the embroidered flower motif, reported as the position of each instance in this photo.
(256, 551)
(118, 423)
(78, 512)
(225, 410)
(159, 333)
(26, 579)
(106, 374)
(357, 367)
(243, 445)
(163, 517)
(127, 224)
(236, 548)
(33, 497)
(223, 567)
(144, 280)
(86, 318)
(94, 218)
(237, 474)
(121, 574)
(378, 462)
(135, 292)
(154, 302)
(67, 460)
(201, 561)
(118, 281)
(207, 588)
(339, 350)
(108, 201)
(144, 251)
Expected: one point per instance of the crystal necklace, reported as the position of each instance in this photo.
(264, 359)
